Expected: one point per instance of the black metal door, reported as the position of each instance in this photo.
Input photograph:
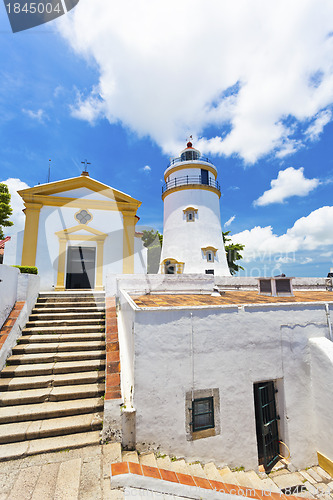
(266, 423)
(80, 267)
(204, 176)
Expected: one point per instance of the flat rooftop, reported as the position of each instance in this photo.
(229, 297)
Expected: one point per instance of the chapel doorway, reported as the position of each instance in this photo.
(81, 264)
(266, 423)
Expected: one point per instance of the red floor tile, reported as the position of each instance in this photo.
(151, 471)
(168, 475)
(119, 468)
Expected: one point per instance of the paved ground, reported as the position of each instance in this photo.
(67, 475)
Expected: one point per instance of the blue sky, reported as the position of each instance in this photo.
(124, 85)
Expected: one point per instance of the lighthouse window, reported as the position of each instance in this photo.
(210, 257)
(190, 216)
(190, 213)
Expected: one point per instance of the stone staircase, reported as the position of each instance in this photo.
(313, 482)
(84, 474)
(51, 390)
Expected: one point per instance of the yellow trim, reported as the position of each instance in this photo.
(207, 249)
(68, 235)
(190, 165)
(206, 187)
(325, 463)
(179, 265)
(192, 209)
(129, 221)
(60, 201)
(30, 238)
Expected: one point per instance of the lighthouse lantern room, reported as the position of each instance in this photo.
(192, 234)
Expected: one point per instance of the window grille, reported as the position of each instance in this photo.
(202, 414)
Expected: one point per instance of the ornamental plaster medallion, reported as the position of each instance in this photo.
(83, 216)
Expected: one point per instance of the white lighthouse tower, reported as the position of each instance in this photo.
(192, 234)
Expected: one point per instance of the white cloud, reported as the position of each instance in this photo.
(88, 108)
(317, 127)
(229, 221)
(170, 69)
(146, 169)
(16, 202)
(39, 115)
(307, 234)
(289, 182)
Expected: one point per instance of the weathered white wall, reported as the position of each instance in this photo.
(27, 290)
(126, 346)
(8, 290)
(233, 348)
(13, 250)
(322, 387)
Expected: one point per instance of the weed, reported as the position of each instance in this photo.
(160, 455)
(238, 469)
(173, 459)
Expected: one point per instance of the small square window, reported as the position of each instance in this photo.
(202, 414)
(210, 257)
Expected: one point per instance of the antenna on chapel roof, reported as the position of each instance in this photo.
(49, 172)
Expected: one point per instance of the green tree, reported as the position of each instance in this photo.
(153, 241)
(5, 208)
(232, 251)
(149, 237)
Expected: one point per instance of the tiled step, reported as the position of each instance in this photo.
(45, 445)
(212, 472)
(50, 368)
(21, 431)
(61, 393)
(63, 329)
(61, 337)
(164, 462)
(9, 414)
(22, 383)
(65, 322)
(33, 348)
(52, 357)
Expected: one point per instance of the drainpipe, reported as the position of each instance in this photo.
(192, 356)
(329, 324)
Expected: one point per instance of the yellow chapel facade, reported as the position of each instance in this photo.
(76, 232)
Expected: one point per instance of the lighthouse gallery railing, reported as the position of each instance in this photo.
(188, 180)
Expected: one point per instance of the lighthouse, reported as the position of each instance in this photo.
(192, 233)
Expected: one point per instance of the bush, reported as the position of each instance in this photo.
(27, 269)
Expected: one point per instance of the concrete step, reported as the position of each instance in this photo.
(52, 368)
(54, 309)
(33, 348)
(212, 472)
(180, 466)
(195, 469)
(254, 479)
(60, 393)
(63, 329)
(269, 485)
(65, 322)
(36, 446)
(74, 293)
(148, 459)
(22, 413)
(68, 315)
(23, 383)
(164, 462)
(130, 456)
(52, 357)
(227, 476)
(21, 431)
(69, 300)
(61, 337)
